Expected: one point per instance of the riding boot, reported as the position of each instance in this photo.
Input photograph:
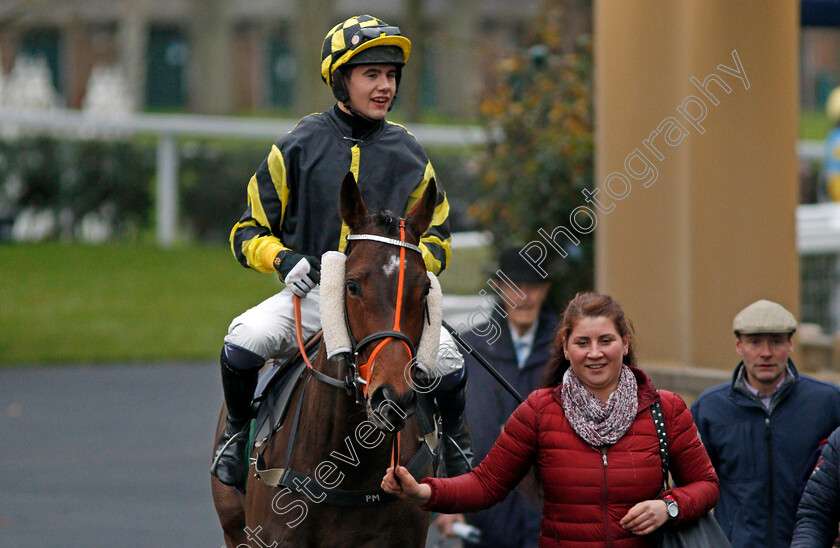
(240, 370)
(450, 396)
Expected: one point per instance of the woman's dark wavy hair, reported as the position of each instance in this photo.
(587, 305)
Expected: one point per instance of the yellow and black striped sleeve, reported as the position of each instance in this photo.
(255, 239)
(435, 243)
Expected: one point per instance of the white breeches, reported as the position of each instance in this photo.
(268, 330)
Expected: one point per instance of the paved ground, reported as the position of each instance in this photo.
(108, 456)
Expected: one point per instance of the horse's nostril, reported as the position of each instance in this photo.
(390, 409)
(409, 401)
(385, 396)
(382, 394)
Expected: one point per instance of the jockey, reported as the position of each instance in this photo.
(292, 219)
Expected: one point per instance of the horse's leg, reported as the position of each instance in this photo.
(231, 512)
(229, 503)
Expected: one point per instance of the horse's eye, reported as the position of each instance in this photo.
(426, 290)
(352, 287)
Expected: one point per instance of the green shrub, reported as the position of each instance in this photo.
(116, 180)
(539, 112)
(214, 178)
(73, 178)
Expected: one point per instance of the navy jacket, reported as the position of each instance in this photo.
(515, 522)
(819, 509)
(760, 454)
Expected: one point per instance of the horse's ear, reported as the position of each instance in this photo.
(422, 212)
(351, 207)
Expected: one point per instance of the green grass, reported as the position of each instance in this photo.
(70, 303)
(813, 124)
(89, 304)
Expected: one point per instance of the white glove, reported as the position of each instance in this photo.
(300, 273)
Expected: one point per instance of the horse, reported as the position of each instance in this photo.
(347, 438)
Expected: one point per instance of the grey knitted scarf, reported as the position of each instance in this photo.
(600, 424)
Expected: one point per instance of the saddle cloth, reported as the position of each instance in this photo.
(273, 395)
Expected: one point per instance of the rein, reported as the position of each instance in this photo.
(315, 373)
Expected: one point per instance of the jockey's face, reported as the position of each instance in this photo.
(372, 89)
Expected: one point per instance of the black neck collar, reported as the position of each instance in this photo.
(360, 128)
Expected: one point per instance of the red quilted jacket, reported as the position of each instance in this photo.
(586, 491)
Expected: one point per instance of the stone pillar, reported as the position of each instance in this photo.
(414, 26)
(211, 49)
(77, 60)
(313, 19)
(696, 168)
(133, 38)
(457, 80)
(250, 87)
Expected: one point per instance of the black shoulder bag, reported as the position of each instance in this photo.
(703, 533)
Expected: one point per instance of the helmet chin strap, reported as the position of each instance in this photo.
(355, 112)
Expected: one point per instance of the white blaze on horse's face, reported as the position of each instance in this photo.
(391, 266)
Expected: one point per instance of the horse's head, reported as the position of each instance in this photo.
(385, 289)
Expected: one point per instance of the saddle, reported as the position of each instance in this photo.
(274, 392)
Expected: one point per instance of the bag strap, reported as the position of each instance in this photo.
(662, 433)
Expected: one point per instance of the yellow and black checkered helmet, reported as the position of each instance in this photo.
(362, 39)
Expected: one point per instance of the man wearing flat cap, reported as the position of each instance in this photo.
(761, 428)
(517, 341)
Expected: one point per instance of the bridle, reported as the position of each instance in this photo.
(358, 377)
(365, 370)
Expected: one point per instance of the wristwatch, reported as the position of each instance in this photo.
(673, 509)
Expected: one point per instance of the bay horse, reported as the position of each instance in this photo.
(334, 432)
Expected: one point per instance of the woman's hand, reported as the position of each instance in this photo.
(646, 517)
(404, 486)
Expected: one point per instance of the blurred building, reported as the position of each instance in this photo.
(819, 65)
(225, 56)
(819, 51)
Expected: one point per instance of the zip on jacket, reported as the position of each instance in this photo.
(605, 498)
(768, 438)
(768, 435)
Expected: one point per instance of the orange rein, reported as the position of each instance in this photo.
(395, 450)
(299, 332)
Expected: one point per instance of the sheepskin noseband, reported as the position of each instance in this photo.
(430, 339)
(336, 337)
